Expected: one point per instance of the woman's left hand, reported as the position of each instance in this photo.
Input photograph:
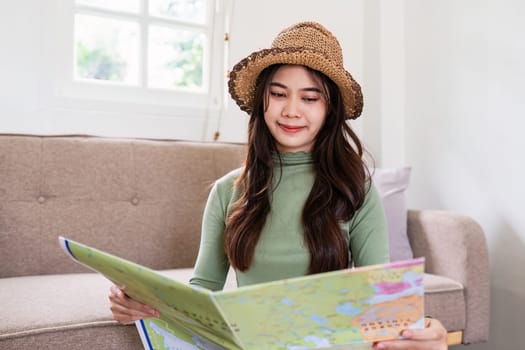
(432, 337)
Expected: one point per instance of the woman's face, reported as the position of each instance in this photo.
(296, 108)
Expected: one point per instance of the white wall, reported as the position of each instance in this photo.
(464, 125)
(383, 123)
(444, 84)
(19, 83)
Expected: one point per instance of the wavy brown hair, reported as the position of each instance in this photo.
(339, 187)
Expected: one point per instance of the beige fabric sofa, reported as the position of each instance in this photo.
(143, 200)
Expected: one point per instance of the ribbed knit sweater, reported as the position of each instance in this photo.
(281, 251)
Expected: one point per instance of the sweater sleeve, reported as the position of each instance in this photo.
(212, 264)
(368, 232)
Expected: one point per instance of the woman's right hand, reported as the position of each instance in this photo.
(126, 310)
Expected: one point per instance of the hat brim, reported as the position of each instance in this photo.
(244, 74)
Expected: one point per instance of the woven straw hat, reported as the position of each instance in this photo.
(305, 43)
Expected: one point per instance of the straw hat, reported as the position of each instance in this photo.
(305, 43)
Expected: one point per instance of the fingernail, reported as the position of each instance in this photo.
(406, 334)
(380, 346)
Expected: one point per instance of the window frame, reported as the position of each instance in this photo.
(187, 109)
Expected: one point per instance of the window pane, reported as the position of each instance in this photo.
(175, 58)
(106, 49)
(184, 10)
(132, 6)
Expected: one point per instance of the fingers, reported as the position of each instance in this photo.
(126, 310)
(433, 330)
(410, 345)
(432, 337)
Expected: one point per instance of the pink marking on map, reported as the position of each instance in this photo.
(391, 287)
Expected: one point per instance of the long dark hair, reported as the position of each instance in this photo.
(339, 187)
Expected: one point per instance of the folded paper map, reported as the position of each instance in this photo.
(346, 309)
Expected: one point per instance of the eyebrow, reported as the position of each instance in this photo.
(281, 85)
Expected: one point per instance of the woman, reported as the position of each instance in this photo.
(304, 175)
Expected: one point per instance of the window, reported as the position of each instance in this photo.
(155, 66)
(161, 44)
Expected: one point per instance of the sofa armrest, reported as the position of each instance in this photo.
(454, 246)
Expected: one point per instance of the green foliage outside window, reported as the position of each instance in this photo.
(189, 60)
(99, 64)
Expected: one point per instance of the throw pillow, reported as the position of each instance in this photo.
(391, 184)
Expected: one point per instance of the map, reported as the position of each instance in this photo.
(346, 309)
(159, 334)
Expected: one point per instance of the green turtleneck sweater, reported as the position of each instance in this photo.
(281, 251)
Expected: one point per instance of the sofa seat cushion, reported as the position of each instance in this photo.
(445, 301)
(68, 307)
(69, 311)
(76, 303)
(55, 302)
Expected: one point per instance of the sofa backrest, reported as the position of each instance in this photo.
(139, 199)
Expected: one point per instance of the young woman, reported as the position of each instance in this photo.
(303, 203)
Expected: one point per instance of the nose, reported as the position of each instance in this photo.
(291, 109)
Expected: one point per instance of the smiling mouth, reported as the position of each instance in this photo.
(291, 128)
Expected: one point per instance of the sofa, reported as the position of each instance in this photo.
(143, 200)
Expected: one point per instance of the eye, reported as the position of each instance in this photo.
(310, 99)
(277, 94)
